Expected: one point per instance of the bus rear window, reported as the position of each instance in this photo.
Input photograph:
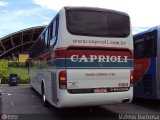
(97, 23)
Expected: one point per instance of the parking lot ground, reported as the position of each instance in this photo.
(24, 102)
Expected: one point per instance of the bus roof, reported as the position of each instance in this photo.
(95, 8)
(148, 31)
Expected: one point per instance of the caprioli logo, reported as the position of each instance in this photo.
(100, 58)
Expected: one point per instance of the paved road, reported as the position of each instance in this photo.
(25, 104)
(0, 103)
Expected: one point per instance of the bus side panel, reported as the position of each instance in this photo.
(54, 87)
(48, 66)
(158, 65)
(36, 76)
(145, 78)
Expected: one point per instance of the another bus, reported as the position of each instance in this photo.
(84, 57)
(147, 64)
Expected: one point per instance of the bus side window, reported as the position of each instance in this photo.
(50, 29)
(139, 47)
(46, 39)
(42, 43)
(147, 43)
(150, 46)
(153, 45)
(54, 37)
(34, 50)
(39, 46)
(54, 28)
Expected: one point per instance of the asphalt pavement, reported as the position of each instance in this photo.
(22, 103)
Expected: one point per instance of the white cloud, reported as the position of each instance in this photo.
(19, 12)
(3, 4)
(56, 5)
(139, 29)
(46, 18)
(143, 13)
(14, 20)
(45, 22)
(27, 12)
(1, 33)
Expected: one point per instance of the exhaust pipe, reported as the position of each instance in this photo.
(126, 100)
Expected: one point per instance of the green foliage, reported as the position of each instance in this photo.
(22, 72)
(5, 79)
(3, 69)
(3, 64)
(23, 80)
(14, 67)
(16, 64)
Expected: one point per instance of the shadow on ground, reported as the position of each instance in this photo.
(77, 113)
(147, 103)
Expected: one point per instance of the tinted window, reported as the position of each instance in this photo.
(54, 37)
(50, 30)
(145, 46)
(139, 47)
(97, 23)
(46, 38)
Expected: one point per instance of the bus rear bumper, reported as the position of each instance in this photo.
(66, 99)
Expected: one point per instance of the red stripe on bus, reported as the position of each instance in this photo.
(89, 50)
(88, 53)
(60, 53)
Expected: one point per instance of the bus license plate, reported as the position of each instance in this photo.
(100, 90)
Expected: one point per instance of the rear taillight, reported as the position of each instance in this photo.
(131, 77)
(63, 80)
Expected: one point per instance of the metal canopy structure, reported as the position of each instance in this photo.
(19, 42)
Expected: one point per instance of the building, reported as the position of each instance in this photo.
(19, 42)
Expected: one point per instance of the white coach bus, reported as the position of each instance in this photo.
(84, 57)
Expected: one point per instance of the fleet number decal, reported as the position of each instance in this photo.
(123, 84)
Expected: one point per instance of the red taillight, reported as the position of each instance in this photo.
(131, 77)
(62, 80)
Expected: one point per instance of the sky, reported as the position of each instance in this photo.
(16, 15)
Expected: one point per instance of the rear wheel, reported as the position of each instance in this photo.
(45, 102)
(30, 83)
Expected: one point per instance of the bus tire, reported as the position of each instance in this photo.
(30, 83)
(45, 102)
